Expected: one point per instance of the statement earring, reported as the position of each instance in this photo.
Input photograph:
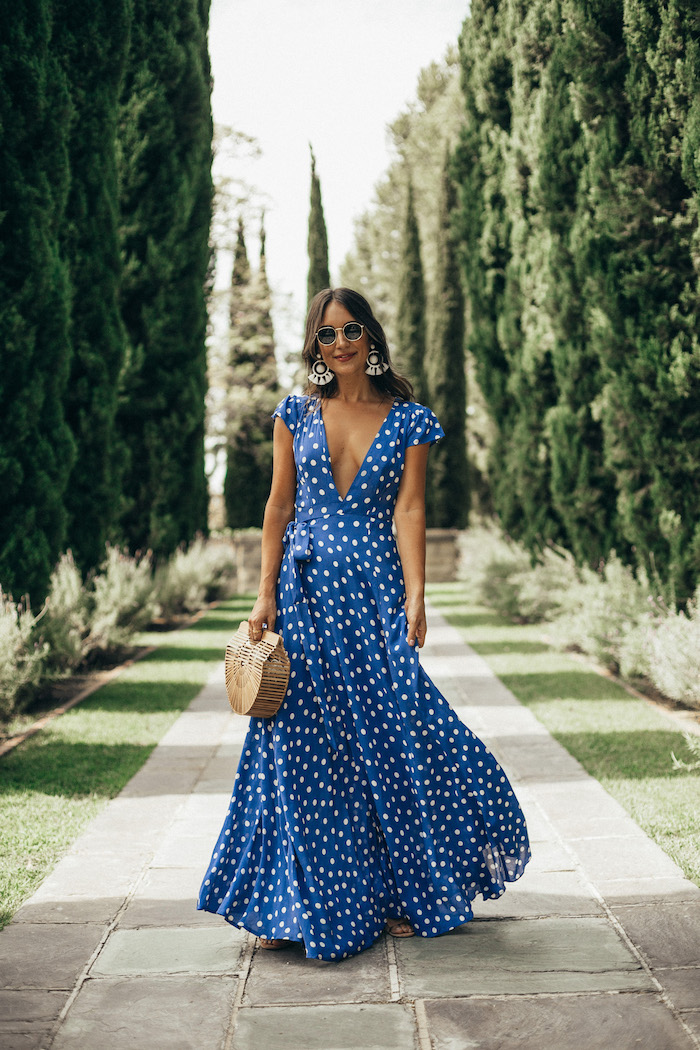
(320, 372)
(375, 363)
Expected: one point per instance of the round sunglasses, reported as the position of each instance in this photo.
(352, 332)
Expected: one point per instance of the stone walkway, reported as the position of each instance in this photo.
(597, 946)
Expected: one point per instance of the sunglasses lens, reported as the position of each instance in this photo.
(352, 331)
(326, 336)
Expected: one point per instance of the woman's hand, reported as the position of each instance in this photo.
(264, 612)
(415, 617)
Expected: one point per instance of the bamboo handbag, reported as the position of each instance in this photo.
(256, 674)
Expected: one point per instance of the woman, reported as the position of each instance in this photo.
(365, 803)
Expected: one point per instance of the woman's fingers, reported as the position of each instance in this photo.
(416, 633)
(257, 627)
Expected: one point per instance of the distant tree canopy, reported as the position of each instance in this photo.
(251, 390)
(105, 132)
(410, 319)
(319, 275)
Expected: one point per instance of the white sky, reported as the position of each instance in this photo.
(330, 72)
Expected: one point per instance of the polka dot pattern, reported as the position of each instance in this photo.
(365, 797)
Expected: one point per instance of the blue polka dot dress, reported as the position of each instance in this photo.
(365, 797)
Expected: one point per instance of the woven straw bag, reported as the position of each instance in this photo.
(256, 674)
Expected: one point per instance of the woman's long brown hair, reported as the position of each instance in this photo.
(389, 382)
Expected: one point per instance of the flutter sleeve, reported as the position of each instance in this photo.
(288, 411)
(423, 427)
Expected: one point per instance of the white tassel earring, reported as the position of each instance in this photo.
(375, 363)
(320, 372)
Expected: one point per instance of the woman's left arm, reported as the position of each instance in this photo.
(409, 516)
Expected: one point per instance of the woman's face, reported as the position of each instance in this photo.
(344, 357)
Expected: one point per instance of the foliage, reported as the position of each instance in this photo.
(318, 276)
(250, 390)
(21, 659)
(64, 623)
(525, 592)
(165, 137)
(104, 276)
(578, 232)
(103, 613)
(36, 446)
(90, 247)
(411, 320)
(613, 614)
(605, 612)
(448, 503)
(675, 656)
(693, 745)
(121, 600)
(204, 571)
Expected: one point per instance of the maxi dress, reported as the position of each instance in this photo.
(365, 797)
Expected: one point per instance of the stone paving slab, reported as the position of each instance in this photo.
(46, 956)
(666, 934)
(34, 1038)
(496, 957)
(613, 857)
(357, 1027)
(171, 951)
(551, 893)
(682, 986)
(647, 890)
(96, 911)
(167, 897)
(27, 1017)
(586, 1022)
(149, 1013)
(279, 977)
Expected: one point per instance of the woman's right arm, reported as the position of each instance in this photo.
(279, 511)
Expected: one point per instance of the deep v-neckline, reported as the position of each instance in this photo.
(359, 469)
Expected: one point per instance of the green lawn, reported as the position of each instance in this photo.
(621, 741)
(52, 785)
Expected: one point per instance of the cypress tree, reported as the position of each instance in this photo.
(319, 275)
(647, 287)
(410, 321)
(166, 198)
(91, 247)
(252, 390)
(36, 447)
(583, 491)
(483, 230)
(448, 506)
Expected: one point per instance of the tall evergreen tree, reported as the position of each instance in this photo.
(166, 199)
(448, 505)
(36, 447)
(644, 283)
(411, 311)
(91, 247)
(252, 390)
(319, 276)
(583, 490)
(483, 229)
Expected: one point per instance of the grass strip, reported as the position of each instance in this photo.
(53, 784)
(621, 741)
